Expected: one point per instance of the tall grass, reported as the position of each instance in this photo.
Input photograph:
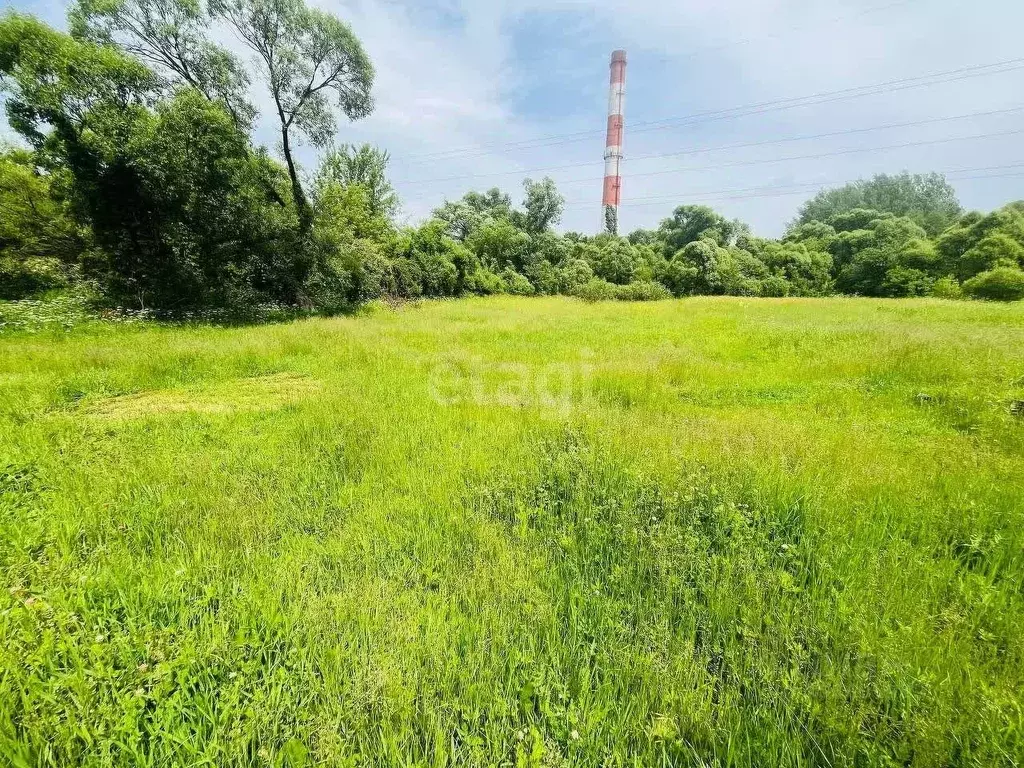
(518, 532)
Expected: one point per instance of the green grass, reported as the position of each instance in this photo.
(518, 532)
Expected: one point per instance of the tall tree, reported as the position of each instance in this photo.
(690, 223)
(306, 54)
(927, 199)
(543, 205)
(170, 35)
(464, 217)
(366, 166)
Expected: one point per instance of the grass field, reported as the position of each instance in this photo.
(518, 532)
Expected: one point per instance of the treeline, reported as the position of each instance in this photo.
(140, 179)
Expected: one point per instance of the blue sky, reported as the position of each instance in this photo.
(486, 81)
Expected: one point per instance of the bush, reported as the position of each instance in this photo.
(947, 288)
(774, 286)
(646, 290)
(597, 289)
(995, 250)
(516, 284)
(484, 282)
(573, 276)
(999, 284)
(615, 259)
(375, 278)
(680, 277)
(408, 278)
(25, 277)
(904, 281)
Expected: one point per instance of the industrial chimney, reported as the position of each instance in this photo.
(613, 145)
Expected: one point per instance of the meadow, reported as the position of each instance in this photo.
(518, 532)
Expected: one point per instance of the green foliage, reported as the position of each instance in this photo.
(719, 270)
(775, 286)
(54, 85)
(807, 272)
(947, 288)
(483, 282)
(307, 54)
(928, 200)
(883, 255)
(146, 183)
(597, 289)
(690, 223)
(464, 217)
(1002, 233)
(643, 290)
(573, 275)
(366, 166)
(516, 284)
(170, 35)
(499, 244)
(543, 205)
(435, 254)
(643, 237)
(611, 220)
(902, 281)
(999, 284)
(183, 212)
(181, 209)
(613, 259)
(996, 249)
(39, 239)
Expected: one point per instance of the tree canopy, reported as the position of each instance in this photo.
(308, 55)
(926, 199)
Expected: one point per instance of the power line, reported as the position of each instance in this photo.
(796, 187)
(891, 86)
(831, 134)
(769, 191)
(744, 163)
(837, 153)
(771, 142)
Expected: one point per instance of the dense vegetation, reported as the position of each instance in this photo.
(530, 532)
(140, 181)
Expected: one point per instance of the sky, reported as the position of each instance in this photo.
(472, 94)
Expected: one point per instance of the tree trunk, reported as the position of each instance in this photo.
(301, 202)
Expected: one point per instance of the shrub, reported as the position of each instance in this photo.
(408, 278)
(516, 284)
(573, 276)
(995, 250)
(374, 277)
(544, 276)
(22, 277)
(904, 281)
(643, 290)
(484, 282)
(999, 284)
(774, 286)
(615, 259)
(947, 288)
(597, 289)
(679, 277)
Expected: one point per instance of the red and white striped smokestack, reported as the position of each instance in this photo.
(613, 145)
